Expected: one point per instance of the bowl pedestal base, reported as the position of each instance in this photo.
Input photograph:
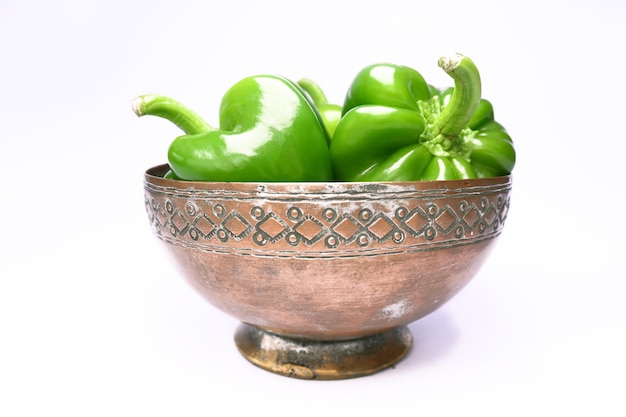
(323, 360)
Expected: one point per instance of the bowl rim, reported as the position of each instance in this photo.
(155, 176)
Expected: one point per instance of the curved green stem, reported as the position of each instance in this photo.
(467, 90)
(171, 110)
(314, 91)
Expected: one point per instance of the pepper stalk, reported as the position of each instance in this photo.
(183, 117)
(447, 133)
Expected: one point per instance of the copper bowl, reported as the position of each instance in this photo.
(325, 277)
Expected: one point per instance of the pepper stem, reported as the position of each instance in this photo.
(171, 110)
(465, 98)
(314, 91)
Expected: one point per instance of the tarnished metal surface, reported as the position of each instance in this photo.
(327, 261)
(306, 359)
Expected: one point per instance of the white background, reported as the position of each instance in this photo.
(95, 321)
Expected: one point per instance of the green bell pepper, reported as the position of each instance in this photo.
(397, 127)
(331, 113)
(269, 131)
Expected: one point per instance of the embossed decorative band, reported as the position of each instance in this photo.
(369, 219)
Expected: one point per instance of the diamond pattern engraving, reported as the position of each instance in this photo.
(179, 223)
(347, 228)
(416, 222)
(470, 216)
(310, 229)
(446, 220)
(236, 225)
(381, 228)
(204, 226)
(411, 223)
(503, 206)
(490, 217)
(272, 227)
(160, 217)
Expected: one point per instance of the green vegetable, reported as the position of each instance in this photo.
(269, 131)
(331, 113)
(396, 127)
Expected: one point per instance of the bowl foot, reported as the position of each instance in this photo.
(324, 360)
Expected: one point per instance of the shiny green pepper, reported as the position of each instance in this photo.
(269, 132)
(330, 113)
(396, 127)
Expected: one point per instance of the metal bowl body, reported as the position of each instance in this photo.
(327, 261)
